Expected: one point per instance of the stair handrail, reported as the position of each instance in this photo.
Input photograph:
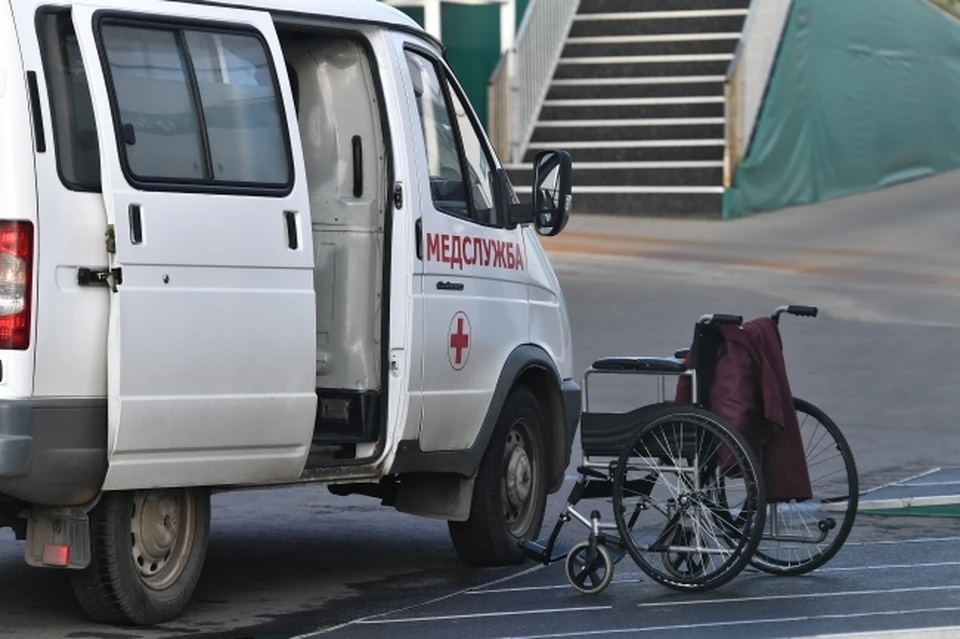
(519, 83)
(747, 76)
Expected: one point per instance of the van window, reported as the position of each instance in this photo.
(453, 147)
(197, 106)
(74, 124)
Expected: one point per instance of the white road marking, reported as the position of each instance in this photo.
(500, 591)
(748, 622)
(808, 595)
(935, 564)
(317, 633)
(930, 633)
(477, 615)
(892, 542)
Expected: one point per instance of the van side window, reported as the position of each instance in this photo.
(74, 124)
(196, 106)
(454, 148)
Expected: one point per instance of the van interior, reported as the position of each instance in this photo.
(346, 160)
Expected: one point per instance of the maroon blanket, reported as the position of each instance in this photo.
(751, 391)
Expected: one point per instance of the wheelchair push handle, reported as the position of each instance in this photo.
(720, 318)
(794, 309)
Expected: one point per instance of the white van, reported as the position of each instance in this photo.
(237, 249)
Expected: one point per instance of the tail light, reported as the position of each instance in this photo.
(16, 284)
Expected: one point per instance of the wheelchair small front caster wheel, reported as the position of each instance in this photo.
(591, 578)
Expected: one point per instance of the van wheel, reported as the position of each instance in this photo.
(509, 496)
(147, 550)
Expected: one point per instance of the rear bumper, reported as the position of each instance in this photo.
(53, 452)
(572, 398)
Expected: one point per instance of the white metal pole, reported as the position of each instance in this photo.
(508, 24)
(431, 17)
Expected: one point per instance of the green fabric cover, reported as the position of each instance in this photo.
(863, 94)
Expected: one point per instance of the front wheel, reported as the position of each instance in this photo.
(509, 496)
(147, 550)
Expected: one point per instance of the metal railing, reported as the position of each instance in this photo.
(521, 79)
(747, 77)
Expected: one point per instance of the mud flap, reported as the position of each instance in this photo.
(57, 538)
(439, 496)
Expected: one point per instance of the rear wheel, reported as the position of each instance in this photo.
(509, 496)
(808, 534)
(147, 550)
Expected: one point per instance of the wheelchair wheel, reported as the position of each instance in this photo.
(831, 512)
(593, 578)
(667, 491)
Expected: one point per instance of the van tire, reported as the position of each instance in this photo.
(128, 542)
(485, 539)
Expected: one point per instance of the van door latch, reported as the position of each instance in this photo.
(100, 277)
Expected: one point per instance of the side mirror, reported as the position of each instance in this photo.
(552, 177)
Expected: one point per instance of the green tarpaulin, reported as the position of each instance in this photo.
(863, 94)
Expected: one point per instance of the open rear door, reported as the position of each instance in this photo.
(212, 344)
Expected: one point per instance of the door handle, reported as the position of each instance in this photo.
(291, 222)
(418, 229)
(449, 286)
(136, 226)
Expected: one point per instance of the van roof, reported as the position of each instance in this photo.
(371, 11)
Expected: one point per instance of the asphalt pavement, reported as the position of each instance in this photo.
(880, 360)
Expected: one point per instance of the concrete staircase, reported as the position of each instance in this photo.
(637, 100)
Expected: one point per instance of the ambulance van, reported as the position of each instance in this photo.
(257, 243)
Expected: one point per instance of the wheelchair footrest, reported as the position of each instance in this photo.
(537, 551)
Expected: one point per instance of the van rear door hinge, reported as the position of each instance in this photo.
(110, 239)
(100, 277)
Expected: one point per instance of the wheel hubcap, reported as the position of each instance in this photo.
(518, 477)
(161, 533)
(519, 481)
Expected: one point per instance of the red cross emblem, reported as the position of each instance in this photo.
(458, 346)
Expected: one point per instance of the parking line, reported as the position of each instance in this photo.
(935, 564)
(747, 622)
(892, 542)
(938, 631)
(430, 602)
(477, 615)
(501, 591)
(809, 595)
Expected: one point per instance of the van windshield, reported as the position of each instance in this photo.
(74, 123)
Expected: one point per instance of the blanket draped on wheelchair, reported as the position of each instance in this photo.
(750, 390)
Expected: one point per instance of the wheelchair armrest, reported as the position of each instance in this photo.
(664, 365)
(681, 353)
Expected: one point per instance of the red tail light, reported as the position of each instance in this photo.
(16, 284)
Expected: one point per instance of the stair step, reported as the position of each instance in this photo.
(656, 22)
(671, 174)
(700, 202)
(612, 6)
(642, 66)
(667, 44)
(632, 87)
(633, 108)
(633, 151)
(650, 129)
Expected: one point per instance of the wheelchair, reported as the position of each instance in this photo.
(688, 496)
